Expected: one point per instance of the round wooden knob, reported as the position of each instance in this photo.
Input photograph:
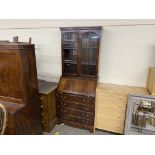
(41, 98)
(41, 106)
(120, 98)
(118, 116)
(117, 126)
(43, 122)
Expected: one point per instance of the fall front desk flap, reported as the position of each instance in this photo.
(77, 86)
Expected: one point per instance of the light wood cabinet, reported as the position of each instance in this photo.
(150, 84)
(111, 101)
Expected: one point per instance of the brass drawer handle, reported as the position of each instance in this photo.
(85, 115)
(41, 106)
(85, 108)
(42, 114)
(63, 104)
(84, 100)
(85, 121)
(43, 122)
(88, 101)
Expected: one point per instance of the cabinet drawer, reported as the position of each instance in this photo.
(44, 103)
(111, 101)
(112, 112)
(75, 119)
(110, 124)
(114, 96)
(76, 106)
(76, 98)
(113, 107)
(76, 113)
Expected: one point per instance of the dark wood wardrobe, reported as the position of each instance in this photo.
(75, 96)
(19, 87)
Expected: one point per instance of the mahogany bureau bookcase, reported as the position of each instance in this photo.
(75, 95)
(19, 87)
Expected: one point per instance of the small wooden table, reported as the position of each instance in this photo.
(48, 105)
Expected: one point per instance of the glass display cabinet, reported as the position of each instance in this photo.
(80, 50)
(75, 96)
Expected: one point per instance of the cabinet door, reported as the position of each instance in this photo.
(69, 52)
(89, 53)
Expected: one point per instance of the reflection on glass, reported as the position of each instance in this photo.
(88, 53)
(70, 53)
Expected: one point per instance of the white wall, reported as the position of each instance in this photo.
(126, 50)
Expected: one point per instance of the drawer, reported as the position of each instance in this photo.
(76, 98)
(104, 100)
(110, 124)
(76, 113)
(112, 107)
(115, 97)
(111, 112)
(76, 106)
(75, 119)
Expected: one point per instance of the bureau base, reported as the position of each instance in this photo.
(76, 125)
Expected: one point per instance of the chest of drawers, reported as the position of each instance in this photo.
(48, 105)
(76, 108)
(111, 101)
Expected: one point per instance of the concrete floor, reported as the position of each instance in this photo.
(67, 130)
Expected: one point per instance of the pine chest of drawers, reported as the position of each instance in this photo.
(111, 101)
(48, 105)
(76, 104)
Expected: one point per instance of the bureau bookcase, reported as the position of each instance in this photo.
(19, 87)
(75, 95)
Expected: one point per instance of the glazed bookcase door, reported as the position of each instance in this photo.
(89, 53)
(69, 53)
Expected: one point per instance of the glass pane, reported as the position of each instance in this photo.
(70, 53)
(69, 36)
(88, 53)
